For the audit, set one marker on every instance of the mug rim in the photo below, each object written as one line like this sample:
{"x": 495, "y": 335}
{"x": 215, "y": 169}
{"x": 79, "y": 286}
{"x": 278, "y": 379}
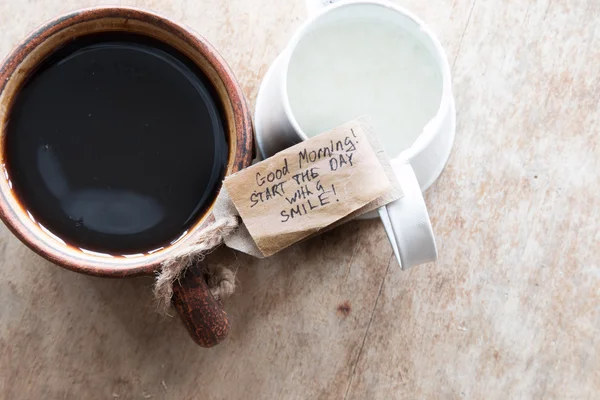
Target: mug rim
{"x": 239, "y": 136}
{"x": 432, "y": 128}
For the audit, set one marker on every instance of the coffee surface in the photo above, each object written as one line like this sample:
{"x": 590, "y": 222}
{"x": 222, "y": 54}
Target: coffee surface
{"x": 116, "y": 144}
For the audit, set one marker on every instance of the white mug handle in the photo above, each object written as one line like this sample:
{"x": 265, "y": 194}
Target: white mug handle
{"x": 407, "y": 222}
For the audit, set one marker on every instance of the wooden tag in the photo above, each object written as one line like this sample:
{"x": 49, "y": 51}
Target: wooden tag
{"x": 307, "y": 187}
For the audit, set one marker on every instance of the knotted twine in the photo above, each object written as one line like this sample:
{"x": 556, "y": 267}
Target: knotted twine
{"x": 221, "y": 281}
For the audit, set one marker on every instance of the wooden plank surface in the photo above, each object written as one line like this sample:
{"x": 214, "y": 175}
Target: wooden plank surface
{"x": 511, "y": 310}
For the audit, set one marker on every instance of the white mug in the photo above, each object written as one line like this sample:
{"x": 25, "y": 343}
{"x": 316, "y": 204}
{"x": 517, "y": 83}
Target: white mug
{"x": 417, "y": 166}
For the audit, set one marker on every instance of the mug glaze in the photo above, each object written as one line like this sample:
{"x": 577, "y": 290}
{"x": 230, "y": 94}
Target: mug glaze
{"x": 406, "y": 220}
{"x": 192, "y": 298}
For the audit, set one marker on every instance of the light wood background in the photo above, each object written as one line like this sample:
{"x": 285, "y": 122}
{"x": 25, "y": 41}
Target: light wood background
{"x": 511, "y": 310}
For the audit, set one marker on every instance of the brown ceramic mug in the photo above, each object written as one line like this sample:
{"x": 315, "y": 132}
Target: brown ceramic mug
{"x": 203, "y": 316}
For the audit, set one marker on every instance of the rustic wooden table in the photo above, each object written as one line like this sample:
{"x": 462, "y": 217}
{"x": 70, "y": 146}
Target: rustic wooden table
{"x": 510, "y": 310}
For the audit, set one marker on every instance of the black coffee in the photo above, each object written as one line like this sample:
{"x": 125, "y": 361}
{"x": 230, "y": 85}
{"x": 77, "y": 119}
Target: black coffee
{"x": 116, "y": 143}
